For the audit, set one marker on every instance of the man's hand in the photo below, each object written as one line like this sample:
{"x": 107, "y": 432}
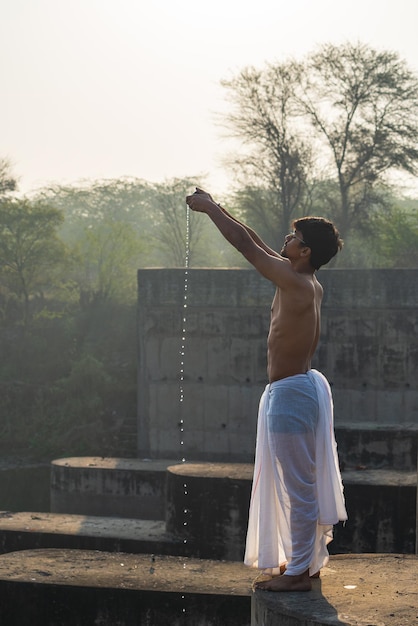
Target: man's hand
{"x": 203, "y": 192}
{"x": 200, "y": 201}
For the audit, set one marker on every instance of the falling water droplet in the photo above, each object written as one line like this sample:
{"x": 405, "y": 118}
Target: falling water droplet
{"x": 182, "y": 359}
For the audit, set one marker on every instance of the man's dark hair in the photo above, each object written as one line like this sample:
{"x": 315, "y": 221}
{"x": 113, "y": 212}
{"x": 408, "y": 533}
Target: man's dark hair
{"x": 321, "y": 236}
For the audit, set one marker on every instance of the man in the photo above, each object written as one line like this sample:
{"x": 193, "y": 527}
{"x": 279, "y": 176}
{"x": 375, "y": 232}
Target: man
{"x": 297, "y": 493}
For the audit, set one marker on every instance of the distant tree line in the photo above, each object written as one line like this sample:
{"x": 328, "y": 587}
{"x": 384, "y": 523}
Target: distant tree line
{"x": 320, "y": 136}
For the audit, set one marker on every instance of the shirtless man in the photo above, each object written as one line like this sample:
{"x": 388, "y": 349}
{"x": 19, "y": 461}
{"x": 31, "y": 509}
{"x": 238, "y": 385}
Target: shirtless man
{"x": 285, "y": 515}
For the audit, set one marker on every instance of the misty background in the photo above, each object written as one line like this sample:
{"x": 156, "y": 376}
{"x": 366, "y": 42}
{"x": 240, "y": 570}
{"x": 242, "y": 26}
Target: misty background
{"x": 113, "y": 111}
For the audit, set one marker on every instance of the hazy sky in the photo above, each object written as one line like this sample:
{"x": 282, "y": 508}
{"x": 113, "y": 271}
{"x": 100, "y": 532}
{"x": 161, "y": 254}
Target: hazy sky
{"x": 111, "y": 88}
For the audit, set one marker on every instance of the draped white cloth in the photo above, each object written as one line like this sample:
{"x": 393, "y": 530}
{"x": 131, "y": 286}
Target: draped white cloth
{"x": 297, "y": 492}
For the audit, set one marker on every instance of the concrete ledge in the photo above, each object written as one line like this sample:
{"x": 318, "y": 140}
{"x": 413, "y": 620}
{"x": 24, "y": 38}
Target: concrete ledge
{"x": 381, "y": 504}
{"x": 24, "y": 486}
{"x": 27, "y": 531}
{"x": 354, "y": 590}
{"x": 114, "y": 487}
{"x": 373, "y": 445}
{"x": 81, "y": 588}
{"x": 380, "y": 478}
{"x": 381, "y": 508}
{"x": 207, "y": 503}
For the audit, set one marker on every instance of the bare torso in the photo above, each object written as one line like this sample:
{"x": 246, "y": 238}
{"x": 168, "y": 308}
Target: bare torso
{"x": 294, "y": 329}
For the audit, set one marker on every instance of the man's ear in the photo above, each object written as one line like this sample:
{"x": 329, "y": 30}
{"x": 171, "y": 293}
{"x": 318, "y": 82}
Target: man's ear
{"x": 306, "y": 252}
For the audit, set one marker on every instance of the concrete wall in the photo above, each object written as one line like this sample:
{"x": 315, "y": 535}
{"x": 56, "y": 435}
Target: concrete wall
{"x": 368, "y": 351}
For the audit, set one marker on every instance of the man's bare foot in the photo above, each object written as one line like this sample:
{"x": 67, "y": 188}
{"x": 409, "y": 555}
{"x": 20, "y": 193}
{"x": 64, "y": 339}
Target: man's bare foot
{"x": 286, "y": 583}
{"x": 316, "y": 575}
{"x": 261, "y": 578}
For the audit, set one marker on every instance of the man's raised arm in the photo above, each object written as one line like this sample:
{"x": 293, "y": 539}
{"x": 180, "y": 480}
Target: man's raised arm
{"x": 274, "y": 267}
{"x": 250, "y": 231}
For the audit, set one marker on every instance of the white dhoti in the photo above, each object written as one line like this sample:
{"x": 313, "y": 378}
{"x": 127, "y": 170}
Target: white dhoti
{"x": 297, "y": 493}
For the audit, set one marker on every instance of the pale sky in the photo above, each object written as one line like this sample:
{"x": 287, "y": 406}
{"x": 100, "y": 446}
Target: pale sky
{"x": 110, "y": 88}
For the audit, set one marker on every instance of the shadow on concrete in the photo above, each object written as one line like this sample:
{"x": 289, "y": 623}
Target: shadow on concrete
{"x": 270, "y": 609}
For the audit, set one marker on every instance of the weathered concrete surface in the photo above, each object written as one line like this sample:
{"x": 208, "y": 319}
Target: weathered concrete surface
{"x": 380, "y": 478}
{"x": 377, "y": 446}
{"x": 82, "y": 588}
{"x": 24, "y": 485}
{"x": 27, "y": 531}
{"x": 354, "y": 590}
{"x": 381, "y": 507}
{"x": 207, "y": 503}
{"x": 133, "y": 488}
{"x": 211, "y": 515}
{"x": 368, "y": 350}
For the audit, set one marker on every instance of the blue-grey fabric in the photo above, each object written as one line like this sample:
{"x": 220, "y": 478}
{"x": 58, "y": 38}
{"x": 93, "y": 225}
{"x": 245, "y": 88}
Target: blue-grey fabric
{"x": 297, "y": 491}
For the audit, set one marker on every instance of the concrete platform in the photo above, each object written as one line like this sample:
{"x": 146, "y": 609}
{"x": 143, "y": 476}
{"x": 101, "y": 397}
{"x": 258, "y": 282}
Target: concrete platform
{"x": 24, "y": 485}
{"x": 377, "y": 445}
{"x": 27, "y": 531}
{"x": 354, "y": 590}
{"x": 380, "y": 478}
{"x": 381, "y": 503}
{"x": 82, "y": 588}
{"x": 381, "y": 507}
{"x": 108, "y": 486}
{"x": 212, "y": 509}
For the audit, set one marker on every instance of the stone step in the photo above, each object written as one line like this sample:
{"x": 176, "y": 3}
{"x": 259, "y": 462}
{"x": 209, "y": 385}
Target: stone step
{"x": 25, "y": 531}
{"x": 380, "y": 478}
{"x": 81, "y": 588}
{"x": 381, "y": 507}
{"x": 353, "y": 590}
{"x": 377, "y": 446}
{"x": 210, "y": 501}
{"x": 107, "y": 486}
{"x": 212, "y": 513}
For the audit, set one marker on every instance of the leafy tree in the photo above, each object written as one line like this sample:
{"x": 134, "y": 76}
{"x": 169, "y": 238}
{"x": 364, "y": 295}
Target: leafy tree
{"x": 264, "y": 117}
{"x": 155, "y": 212}
{"x": 396, "y": 233}
{"x": 364, "y": 105}
{"x": 354, "y": 108}
{"x": 253, "y": 205}
{"x": 86, "y": 205}
{"x": 106, "y": 260}
{"x": 29, "y": 247}
{"x": 7, "y": 181}
{"x": 169, "y": 223}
